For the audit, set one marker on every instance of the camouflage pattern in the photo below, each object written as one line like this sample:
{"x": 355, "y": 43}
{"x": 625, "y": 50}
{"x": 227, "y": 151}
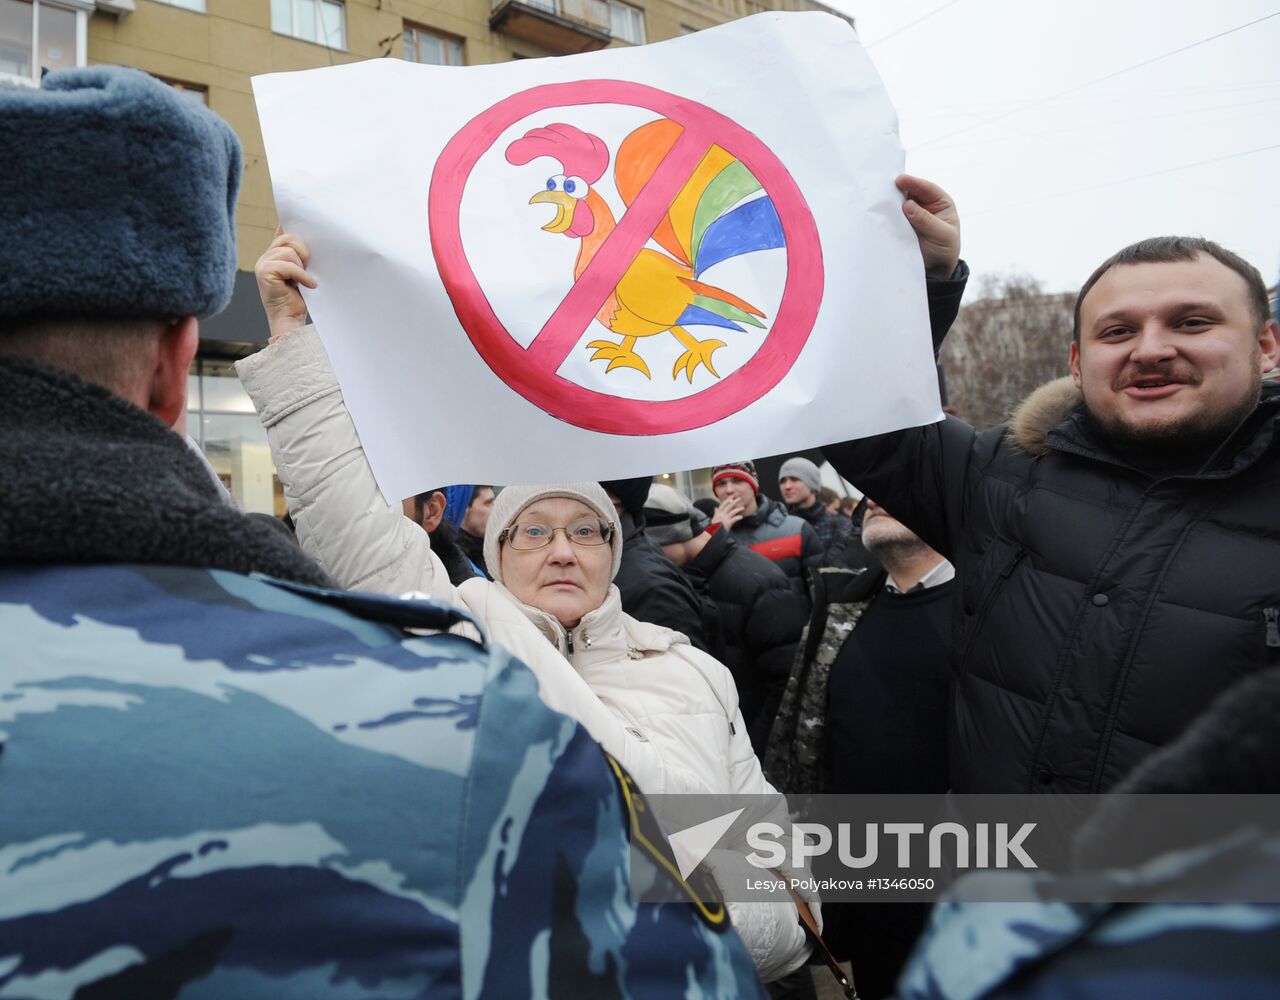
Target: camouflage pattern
{"x": 1050, "y": 950}
{"x": 221, "y": 786}
{"x": 793, "y": 760}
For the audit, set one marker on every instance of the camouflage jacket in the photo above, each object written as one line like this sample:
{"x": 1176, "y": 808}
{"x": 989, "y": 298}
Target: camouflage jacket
{"x": 794, "y": 760}
{"x": 214, "y": 785}
{"x": 1048, "y": 949}
{"x": 217, "y": 785}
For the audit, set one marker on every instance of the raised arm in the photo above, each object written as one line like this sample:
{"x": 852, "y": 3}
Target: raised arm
{"x": 919, "y": 473}
{"x": 341, "y": 517}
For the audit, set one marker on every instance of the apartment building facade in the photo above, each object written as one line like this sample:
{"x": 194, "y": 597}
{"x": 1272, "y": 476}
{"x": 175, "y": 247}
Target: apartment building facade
{"x": 211, "y": 48}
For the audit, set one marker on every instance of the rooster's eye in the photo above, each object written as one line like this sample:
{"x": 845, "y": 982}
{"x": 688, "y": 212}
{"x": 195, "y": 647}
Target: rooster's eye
{"x": 574, "y": 187}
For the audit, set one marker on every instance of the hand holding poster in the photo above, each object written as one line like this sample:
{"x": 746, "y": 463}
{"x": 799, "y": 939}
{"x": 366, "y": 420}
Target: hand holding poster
{"x": 611, "y": 264}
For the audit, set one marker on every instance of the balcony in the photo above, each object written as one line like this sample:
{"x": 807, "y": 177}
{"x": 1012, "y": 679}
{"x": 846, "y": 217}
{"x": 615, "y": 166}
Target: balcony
{"x": 747, "y": 7}
{"x": 561, "y": 26}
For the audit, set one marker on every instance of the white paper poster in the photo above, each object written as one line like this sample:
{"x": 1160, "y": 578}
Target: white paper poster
{"x": 607, "y": 265}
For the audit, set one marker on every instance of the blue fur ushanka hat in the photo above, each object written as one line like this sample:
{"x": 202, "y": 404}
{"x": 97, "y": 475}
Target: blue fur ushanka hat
{"x": 117, "y": 199}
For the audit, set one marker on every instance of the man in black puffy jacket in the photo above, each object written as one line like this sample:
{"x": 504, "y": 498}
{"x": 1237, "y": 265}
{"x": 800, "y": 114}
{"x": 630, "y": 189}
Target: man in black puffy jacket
{"x": 653, "y": 590}
{"x": 1116, "y": 545}
{"x": 759, "y": 614}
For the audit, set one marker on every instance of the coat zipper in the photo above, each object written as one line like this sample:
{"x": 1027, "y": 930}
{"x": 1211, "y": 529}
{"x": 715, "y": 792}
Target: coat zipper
{"x": 988, "y": 600}
{"x": 1272, "y": 615}
{"x": 1013, "y": 564}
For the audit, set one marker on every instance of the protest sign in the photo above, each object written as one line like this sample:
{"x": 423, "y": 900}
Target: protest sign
{"x": 611, "y": 264}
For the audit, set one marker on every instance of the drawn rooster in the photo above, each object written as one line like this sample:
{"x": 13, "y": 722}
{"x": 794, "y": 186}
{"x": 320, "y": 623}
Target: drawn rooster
{"x": 708, "y": 222}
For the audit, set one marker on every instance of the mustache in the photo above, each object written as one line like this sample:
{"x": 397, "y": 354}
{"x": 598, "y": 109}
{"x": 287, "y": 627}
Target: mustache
{"x": 1163, "y": 373}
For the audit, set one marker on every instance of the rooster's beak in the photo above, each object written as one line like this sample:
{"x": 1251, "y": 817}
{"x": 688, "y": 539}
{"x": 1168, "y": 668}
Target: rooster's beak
{"x": 565, "y": 207}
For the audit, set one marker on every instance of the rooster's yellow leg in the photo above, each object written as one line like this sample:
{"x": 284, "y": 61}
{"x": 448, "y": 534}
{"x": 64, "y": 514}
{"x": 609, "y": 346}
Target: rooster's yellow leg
{"x": 619, "y": 355}
{"x": 698, "y": 352}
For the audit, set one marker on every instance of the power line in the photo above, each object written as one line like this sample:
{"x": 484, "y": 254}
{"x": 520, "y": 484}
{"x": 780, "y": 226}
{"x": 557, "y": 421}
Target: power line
{"x": 1124, "y": 180}
{"x": 912, "y": 24}
{"x": 1055, "y": 139}
{"x": 1097, "y": 126}
{"x": 914, "y": 111}
{"x": 1090, "y": 83}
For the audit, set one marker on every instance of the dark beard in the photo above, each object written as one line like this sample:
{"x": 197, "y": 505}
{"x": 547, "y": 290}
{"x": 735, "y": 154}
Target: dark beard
{"x": 1187, "y": 445}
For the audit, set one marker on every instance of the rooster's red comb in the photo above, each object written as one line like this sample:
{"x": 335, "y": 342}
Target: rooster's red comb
{"x": 580, "y": 154}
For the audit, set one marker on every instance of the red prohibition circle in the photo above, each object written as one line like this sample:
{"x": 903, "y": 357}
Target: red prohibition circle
{"x": 519, "y": 367}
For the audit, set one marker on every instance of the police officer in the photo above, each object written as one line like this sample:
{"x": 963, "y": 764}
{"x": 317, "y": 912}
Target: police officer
{"x": 219, "y": 776}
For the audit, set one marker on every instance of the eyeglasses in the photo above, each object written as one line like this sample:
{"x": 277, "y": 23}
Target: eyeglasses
{"x": 585, "y": 531}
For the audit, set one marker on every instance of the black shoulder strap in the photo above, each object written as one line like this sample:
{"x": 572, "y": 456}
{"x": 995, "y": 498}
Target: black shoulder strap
{"x": 399, "y": 612}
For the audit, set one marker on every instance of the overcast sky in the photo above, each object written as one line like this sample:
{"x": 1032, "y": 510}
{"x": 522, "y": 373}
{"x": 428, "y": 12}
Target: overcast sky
{"x": 1004, "y": 103}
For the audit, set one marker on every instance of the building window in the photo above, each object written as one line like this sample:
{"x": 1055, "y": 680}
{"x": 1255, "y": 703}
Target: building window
{"x": 222, "y": 421}
{"x": 626, "y": 22}
{"x": 422, "y": 45}
{"x": 36, "y": 35}
{"x": 195, "y": 91}
{"x": 319, "y": 21}
{"x": 197, "y": 5}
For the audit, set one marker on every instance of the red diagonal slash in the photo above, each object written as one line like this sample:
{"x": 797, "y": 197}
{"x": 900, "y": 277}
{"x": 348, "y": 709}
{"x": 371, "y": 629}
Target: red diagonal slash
{"x": 566, "y": 325}
{"x": 541, "y": 384}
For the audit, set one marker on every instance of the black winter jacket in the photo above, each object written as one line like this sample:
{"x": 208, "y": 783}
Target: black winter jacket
{"x": 653, "y": 589}
{"x": 788, "y": 541}
{"x": 830, "y": 528}
{"x": 1098, "y": 609}
{"x": 760, "y": 619}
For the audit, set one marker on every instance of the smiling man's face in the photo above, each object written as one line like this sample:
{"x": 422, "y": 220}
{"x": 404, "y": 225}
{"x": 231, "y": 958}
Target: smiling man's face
{"x": 1171, "y": 355}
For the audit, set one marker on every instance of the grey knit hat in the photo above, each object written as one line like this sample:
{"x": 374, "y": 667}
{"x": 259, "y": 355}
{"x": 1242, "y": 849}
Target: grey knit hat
{"x": 670, "y": 517}
{"x": 118, "y": 199}
{"x": 803, "y": 470}
{"x": 513, "y": 499}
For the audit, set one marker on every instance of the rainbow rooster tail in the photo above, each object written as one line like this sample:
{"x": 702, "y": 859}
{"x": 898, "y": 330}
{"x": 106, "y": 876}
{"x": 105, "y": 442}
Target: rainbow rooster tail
{"x": 708, "y": 222}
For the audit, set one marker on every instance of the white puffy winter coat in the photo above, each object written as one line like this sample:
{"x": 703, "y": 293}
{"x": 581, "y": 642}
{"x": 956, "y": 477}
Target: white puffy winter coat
{"x": 667, "y": 711}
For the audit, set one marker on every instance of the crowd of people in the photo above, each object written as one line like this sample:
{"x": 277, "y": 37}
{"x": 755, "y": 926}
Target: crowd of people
{"x": 403, "y": 750}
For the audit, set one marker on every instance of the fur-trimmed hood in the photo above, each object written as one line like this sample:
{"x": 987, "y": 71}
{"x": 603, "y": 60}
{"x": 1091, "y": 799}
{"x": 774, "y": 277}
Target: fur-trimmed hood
{"x": 1046, "y": 407}
{"x": 1052, "y": 403}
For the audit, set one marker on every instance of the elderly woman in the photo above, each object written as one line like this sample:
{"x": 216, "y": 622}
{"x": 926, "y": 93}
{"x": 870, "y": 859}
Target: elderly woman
{"x": 667, "y": 711}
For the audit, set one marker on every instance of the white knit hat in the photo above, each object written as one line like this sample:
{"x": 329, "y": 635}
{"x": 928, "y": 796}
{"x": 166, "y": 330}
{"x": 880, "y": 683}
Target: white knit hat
{"x": 670, "y": 517}
{"x": 513, "y": 499}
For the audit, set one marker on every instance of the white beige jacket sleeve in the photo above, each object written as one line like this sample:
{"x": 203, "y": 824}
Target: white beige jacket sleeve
{"x": 772, "y": 932}
{"x": 344, "y": 523}
{"x": 341, "y": 519}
